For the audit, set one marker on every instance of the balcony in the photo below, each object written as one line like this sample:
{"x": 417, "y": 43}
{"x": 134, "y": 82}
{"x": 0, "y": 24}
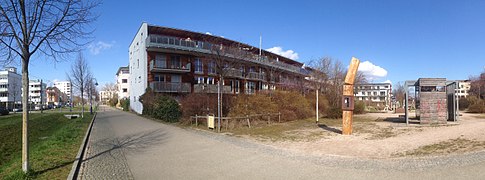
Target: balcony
{"x": 255, "y": 76}
{"x": 170, "y": 69}
{"x": 235, "y": 73}
{"x": 211, "y": 88}
{"x": 170, "y": 87}
{"x": 167, "y": 42}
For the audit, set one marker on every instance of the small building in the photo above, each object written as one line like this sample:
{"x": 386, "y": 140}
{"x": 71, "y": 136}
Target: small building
{"x": 55, "y": 96}
{"x": 37, "y": 94}
{"x": 436, "y": 100}
{"x": 65, "y": 87}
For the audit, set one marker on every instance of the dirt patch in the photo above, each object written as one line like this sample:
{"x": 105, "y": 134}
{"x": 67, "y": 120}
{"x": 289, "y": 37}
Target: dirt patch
{"x": 375, "y": 135}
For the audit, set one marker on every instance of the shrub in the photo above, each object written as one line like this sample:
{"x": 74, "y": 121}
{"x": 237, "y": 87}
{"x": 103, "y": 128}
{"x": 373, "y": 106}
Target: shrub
{"x": 166, "y": 109}
{"x": 334, "y": 112}
{"x": 359, "y": 107}
{"x": 125, "y": 104}
{"x": 477, "y": 107}
{"x": 252, "y": 105}
{"x": 463, "y": 103}
{"x": 160, "y": 107}
{"x": 323, "y": 103}
{"x": 292, "y": 105}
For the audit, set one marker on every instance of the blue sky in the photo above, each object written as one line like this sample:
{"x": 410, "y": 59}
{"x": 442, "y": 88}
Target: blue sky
{"x": 402, "y": 40}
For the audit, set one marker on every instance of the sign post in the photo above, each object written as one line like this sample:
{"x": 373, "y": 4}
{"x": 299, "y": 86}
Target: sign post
{"x": 348, "y": 97}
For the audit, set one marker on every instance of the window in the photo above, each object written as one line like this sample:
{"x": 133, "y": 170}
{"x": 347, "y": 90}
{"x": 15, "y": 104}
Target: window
{"x": 236, "y": 86}
{"x": 198, "y": 66}
{"x": 199, "y": 80}
{"x": 212, "y": 67}
{"x": 175, "y": 60}
{"x": 160, "y": 61}
{"x": 250, "y": 87}
{"x": 210, "y": 80}
{"x": 159, "y": 78}
{"x": 176, "y": 79}
{"x": 125, "y": 90}
{"x": 124, "y": 80}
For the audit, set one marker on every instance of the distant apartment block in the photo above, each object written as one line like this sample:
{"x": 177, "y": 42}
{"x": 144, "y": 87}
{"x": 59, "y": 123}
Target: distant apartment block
{"x": 55, "y": 96}
{"x": 37, "y": 93}
{"x": 178, "y": 62}
{"x": 376, "y": 94}
{"x": 122, "y": 84}
{"x": 105, "y": 96}
{"x": 463, "y": 88}
{"x": 10, "y": 88}
{"x": 65, "y": 87}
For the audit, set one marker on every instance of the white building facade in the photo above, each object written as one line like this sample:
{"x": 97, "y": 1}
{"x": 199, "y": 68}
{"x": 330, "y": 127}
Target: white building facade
{"x": 37, "y": 93}
{"x": 10, "y": 88}
{"x": 105, "y": 96}
{"x": 122, "y": 78}
{"x": 138, "y": 68}
{"x": 65, "y": 87}
{"x": 376, "y": 94}
{"x": 463, "y": 88}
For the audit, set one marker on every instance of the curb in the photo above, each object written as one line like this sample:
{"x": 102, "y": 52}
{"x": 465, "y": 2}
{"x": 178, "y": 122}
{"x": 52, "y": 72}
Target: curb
{"x": 77, "y": 163}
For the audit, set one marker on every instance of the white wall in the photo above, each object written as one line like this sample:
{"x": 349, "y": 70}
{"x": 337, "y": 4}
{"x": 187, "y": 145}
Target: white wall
{"x": 138, "y": 68}
{"x": 14, "y": 89}
{"x": 122, "y": 85}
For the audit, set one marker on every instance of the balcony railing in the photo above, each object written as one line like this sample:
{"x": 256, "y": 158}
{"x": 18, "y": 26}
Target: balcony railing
{"x": 255, "y": 76}
{"x": 175, "y": 69}
{"x": 210, "y": 88}
{"x": 170, "y": 87}
{"x": 158, "y": 41}
{"x": 234, "y": 73}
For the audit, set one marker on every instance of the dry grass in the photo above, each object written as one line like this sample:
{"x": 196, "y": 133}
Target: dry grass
{"x": 458, "y": 145}
{"x": 301, "y": 130}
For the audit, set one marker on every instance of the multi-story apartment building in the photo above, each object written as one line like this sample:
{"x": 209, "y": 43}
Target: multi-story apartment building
{"x": 55, "y": 96}
{"x": 105, "y": 96}
{"x": 37, "y": 93}
{"x": 10, "y": 88}
{"x": 375, "y": 94}
{"x": 178, "y": 62}
{"x": 65, "y": 87}
{"x": 122, "y": 84}
{"x": 463, "y": 88}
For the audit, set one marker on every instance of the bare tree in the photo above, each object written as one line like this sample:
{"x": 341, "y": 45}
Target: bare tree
{"x": 80, "y": 77}
{"x": 399, "y": 92}
{"x": 52, "y": 28}
{"x": 477, "y": 86}
{"x": 111, "y": 87}
{"x": 91, "y": 91}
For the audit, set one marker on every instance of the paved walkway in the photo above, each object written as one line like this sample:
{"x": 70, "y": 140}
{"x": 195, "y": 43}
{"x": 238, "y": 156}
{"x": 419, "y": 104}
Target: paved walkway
{"x": 127, "y": 146}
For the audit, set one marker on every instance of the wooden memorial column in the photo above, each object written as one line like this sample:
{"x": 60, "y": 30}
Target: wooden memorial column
{"x": 348, "y": 97}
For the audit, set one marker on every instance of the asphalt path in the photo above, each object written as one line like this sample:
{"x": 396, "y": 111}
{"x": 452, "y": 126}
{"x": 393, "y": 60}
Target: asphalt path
{"x": 127, "y": 146}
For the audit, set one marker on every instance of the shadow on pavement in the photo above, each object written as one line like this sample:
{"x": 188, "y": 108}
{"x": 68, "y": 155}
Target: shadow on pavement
{"x": 131, "y": 143}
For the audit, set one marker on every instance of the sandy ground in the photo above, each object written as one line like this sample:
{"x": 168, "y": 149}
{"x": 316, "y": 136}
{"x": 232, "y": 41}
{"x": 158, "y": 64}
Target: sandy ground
{"x": 396, "y": 138}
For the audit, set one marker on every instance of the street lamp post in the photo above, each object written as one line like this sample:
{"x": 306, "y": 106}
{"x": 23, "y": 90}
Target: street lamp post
{"x": 91, "y": 95}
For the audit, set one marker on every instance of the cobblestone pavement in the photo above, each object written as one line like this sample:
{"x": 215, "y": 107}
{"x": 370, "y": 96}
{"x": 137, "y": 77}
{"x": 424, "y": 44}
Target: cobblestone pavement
{"x": 127, "y": 146}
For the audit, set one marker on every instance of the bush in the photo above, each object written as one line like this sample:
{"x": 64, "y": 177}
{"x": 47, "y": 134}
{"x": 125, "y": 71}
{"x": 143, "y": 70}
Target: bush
{"x": 160, "y": 107}
{"x": 166, "y": 109}
{"x": 359, "y": 107}
{"x": 292, "y": 105}
{"x": 477, "y": 107}
{"x": 463, "y": 103}
{"x": 334, "y": 112}
{"x": 125, "y": 104}
{"x": 3, "y": 111}
{"x": 252, "y": 105}
{"x": 323, "y": 103}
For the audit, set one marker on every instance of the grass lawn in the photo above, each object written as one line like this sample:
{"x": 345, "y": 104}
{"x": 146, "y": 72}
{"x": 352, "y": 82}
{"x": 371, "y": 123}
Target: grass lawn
{"x": 75, "y": 108}
{"x": 445, "y": 147}
{"x": 54, "y": 142}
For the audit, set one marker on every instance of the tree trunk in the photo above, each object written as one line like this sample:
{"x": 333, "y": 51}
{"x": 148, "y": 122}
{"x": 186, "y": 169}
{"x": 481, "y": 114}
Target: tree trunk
{"x": 25, "y": 114}
{"x": 82, "y": 101}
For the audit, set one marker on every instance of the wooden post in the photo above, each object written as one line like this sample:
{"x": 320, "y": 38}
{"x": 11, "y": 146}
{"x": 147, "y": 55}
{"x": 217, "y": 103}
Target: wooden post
{"x": 196, "y": 120}
{"x": 279, "y": 117}
{"x": 269, "y": 120}
{"x": 249, "y": 124}
{"x": 348, "y": 90}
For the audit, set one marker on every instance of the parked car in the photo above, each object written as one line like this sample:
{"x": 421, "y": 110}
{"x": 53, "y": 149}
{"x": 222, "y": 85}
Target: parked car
{"x": 3, "y": 111}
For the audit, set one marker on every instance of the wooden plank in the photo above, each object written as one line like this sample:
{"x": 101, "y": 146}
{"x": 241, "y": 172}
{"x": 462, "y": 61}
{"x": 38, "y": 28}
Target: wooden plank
{"x": 347, "y": 122}
{"x": 348, "y": 90}
{"x": 352, "y": 72}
